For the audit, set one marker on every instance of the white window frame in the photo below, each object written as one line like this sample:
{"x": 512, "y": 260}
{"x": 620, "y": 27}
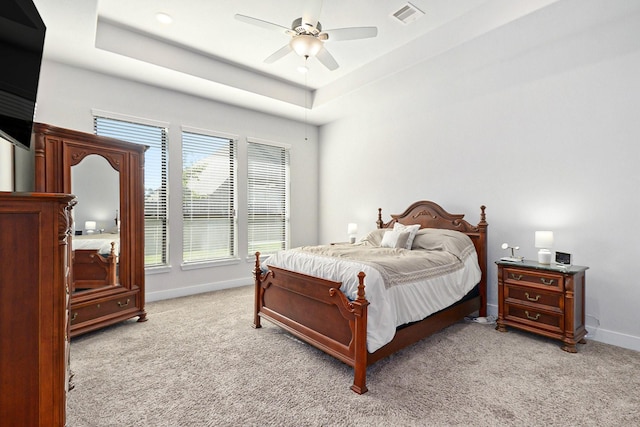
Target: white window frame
{"x": 252, "y": 247}
{"x": 190, "y": 261}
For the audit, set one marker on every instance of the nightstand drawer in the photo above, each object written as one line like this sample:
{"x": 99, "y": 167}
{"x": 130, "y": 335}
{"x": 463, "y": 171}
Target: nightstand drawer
{"x": 540, "y": 319}
{"x": 529, "y": 277}
{"x": 534, "y": 297}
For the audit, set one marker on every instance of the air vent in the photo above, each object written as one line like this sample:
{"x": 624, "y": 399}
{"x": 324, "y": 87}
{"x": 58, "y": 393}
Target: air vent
{"x": 408, "y": 13}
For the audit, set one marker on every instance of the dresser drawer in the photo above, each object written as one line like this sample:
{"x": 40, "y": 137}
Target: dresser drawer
{"x": 534, "y": 297}
{"x": 104, "y": 307}
{"x": 540, "y": 319}
{"x": 533, "y": 277}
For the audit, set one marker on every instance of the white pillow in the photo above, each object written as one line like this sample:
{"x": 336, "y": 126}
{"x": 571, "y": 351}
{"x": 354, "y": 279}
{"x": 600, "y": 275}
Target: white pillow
{"x": 394, "y": 239}
{"x": 412, "y": 229}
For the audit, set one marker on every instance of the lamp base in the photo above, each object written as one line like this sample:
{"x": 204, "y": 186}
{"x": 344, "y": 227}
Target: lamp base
{"x": 544, "y": 256}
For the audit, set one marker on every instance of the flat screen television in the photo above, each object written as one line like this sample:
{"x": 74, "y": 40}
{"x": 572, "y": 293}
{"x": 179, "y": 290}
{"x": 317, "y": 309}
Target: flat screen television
{"x": 21, "y": 44}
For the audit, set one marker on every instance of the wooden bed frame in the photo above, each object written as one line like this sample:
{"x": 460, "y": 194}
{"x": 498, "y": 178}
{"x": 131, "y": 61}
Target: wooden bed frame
{"x": 316, "y": 311}
{"x": 92, "y": 270}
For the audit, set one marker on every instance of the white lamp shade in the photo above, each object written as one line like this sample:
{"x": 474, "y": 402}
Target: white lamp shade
{"x": 305, "y": 45}
{"x": 544, "y": 239}
{"x": 89, "y": 225}
{"x": 352, "y": 230}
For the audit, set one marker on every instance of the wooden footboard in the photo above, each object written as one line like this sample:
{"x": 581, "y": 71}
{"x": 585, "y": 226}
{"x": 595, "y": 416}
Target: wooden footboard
{"x": 316, "y": 311}
{"x": 92, "y": 270}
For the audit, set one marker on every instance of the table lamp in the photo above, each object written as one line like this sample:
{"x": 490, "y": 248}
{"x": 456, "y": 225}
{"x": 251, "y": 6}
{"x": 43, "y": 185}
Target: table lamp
{"x": 544, "y": 241}
{"x": 352, "y": 230}
{"x": 90, "y": 227}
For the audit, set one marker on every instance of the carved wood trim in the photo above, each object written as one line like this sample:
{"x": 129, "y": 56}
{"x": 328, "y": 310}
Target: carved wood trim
{"x": 64, "y": 221}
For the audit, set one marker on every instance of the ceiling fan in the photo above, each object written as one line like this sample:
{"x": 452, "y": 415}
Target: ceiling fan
{"x": 307, "y": 36}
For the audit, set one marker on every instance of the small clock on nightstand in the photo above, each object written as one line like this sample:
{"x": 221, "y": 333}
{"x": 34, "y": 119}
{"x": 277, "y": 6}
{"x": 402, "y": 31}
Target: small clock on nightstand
{"x": 544, "y": 299}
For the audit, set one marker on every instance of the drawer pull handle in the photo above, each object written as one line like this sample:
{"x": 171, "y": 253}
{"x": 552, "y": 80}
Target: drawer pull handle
{"x": 531, "y": 299}
{"x": 516, "y": 276}
{"x": 123, "y": 305}
{"x": 537, "y": 316}
{"x": 74, "y": 316}
{"x": 546, "y": 282}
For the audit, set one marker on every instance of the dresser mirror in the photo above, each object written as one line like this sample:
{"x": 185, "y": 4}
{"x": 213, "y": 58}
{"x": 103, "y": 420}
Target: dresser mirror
{"x": 96, "y": 232}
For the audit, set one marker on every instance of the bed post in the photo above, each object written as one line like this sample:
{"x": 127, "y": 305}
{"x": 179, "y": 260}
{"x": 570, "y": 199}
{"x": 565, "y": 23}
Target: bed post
{"x": 113, "y": 265}
{"x": 482, "y": 257}
{"x": 257, "y": 293}
{"x": 360, "y": 339}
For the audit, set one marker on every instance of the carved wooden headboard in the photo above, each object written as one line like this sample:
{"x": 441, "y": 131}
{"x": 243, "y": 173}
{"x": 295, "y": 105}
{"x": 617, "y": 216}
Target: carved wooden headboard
{"x": 431, "y": 215}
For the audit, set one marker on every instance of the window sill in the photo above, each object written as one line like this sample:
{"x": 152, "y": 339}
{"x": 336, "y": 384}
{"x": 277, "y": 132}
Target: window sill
{"x": 209, "y": 264}
{"x": 157, "y": 270}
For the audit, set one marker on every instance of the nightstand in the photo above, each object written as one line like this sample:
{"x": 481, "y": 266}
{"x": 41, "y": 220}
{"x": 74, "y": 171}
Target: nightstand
{"x": 544, "y": 299}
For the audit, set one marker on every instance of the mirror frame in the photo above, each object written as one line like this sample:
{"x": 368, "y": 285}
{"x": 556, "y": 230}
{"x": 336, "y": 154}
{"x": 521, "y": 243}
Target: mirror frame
{"x": 73, "y": 154}
{"x": 57, "y": 150}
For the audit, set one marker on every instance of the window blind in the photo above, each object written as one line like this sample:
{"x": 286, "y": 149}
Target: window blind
{"x": 208, "y": 198}
{"x": 155, "y": 181}
{"x": 268, "y": 198}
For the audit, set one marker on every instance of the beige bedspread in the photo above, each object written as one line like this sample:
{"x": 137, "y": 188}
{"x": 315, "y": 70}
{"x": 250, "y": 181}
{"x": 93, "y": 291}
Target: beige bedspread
{"x": 436, "y": 253}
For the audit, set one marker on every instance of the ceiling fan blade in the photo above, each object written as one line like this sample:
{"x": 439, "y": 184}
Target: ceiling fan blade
{"x": 352, "y": 33}
{"x": 326, "y": 59}
{"x": 280, "y": 53}
{"x": 264, "y": 24}
{"x": 311, "y": 13}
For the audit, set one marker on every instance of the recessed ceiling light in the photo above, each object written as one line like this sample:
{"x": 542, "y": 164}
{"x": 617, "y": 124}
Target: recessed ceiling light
{"x": 164, "y": 18}
{"x": 302, "y": 69}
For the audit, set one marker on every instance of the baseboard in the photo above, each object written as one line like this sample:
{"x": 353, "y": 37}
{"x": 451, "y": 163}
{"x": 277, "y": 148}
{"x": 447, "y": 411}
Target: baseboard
{"x": 614, "y": 338}
{"x": 194, "y": 290}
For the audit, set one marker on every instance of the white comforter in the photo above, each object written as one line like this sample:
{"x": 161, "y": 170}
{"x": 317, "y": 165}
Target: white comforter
{"x": 394, "y": 305}
{"x": 101, "y": 242}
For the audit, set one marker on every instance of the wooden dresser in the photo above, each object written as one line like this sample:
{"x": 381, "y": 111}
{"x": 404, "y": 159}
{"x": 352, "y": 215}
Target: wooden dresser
{"x": 34, "y": 296}
{"x": 543, "y": 299}
{"x": 60, "y": 155}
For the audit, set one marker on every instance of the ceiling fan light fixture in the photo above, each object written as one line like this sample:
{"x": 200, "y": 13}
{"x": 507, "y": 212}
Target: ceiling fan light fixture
{"x": 305, "y": 45}
{"x": 164, "y": 18}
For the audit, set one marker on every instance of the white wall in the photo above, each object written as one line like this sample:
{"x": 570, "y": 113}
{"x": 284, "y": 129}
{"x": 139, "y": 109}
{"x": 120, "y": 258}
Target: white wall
{"x": 66, "y": 97}
{"x": 6, "y": 165}
{"x": 537, "y": 120}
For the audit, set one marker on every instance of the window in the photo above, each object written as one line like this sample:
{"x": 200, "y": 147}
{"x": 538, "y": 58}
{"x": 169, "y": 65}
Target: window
{"x": 155, "y": 181}
{"x": 268, "y": 198}
{"x": 208, "y": 198}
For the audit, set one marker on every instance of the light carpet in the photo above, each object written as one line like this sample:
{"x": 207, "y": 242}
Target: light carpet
{"x": 198, "y": 362}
